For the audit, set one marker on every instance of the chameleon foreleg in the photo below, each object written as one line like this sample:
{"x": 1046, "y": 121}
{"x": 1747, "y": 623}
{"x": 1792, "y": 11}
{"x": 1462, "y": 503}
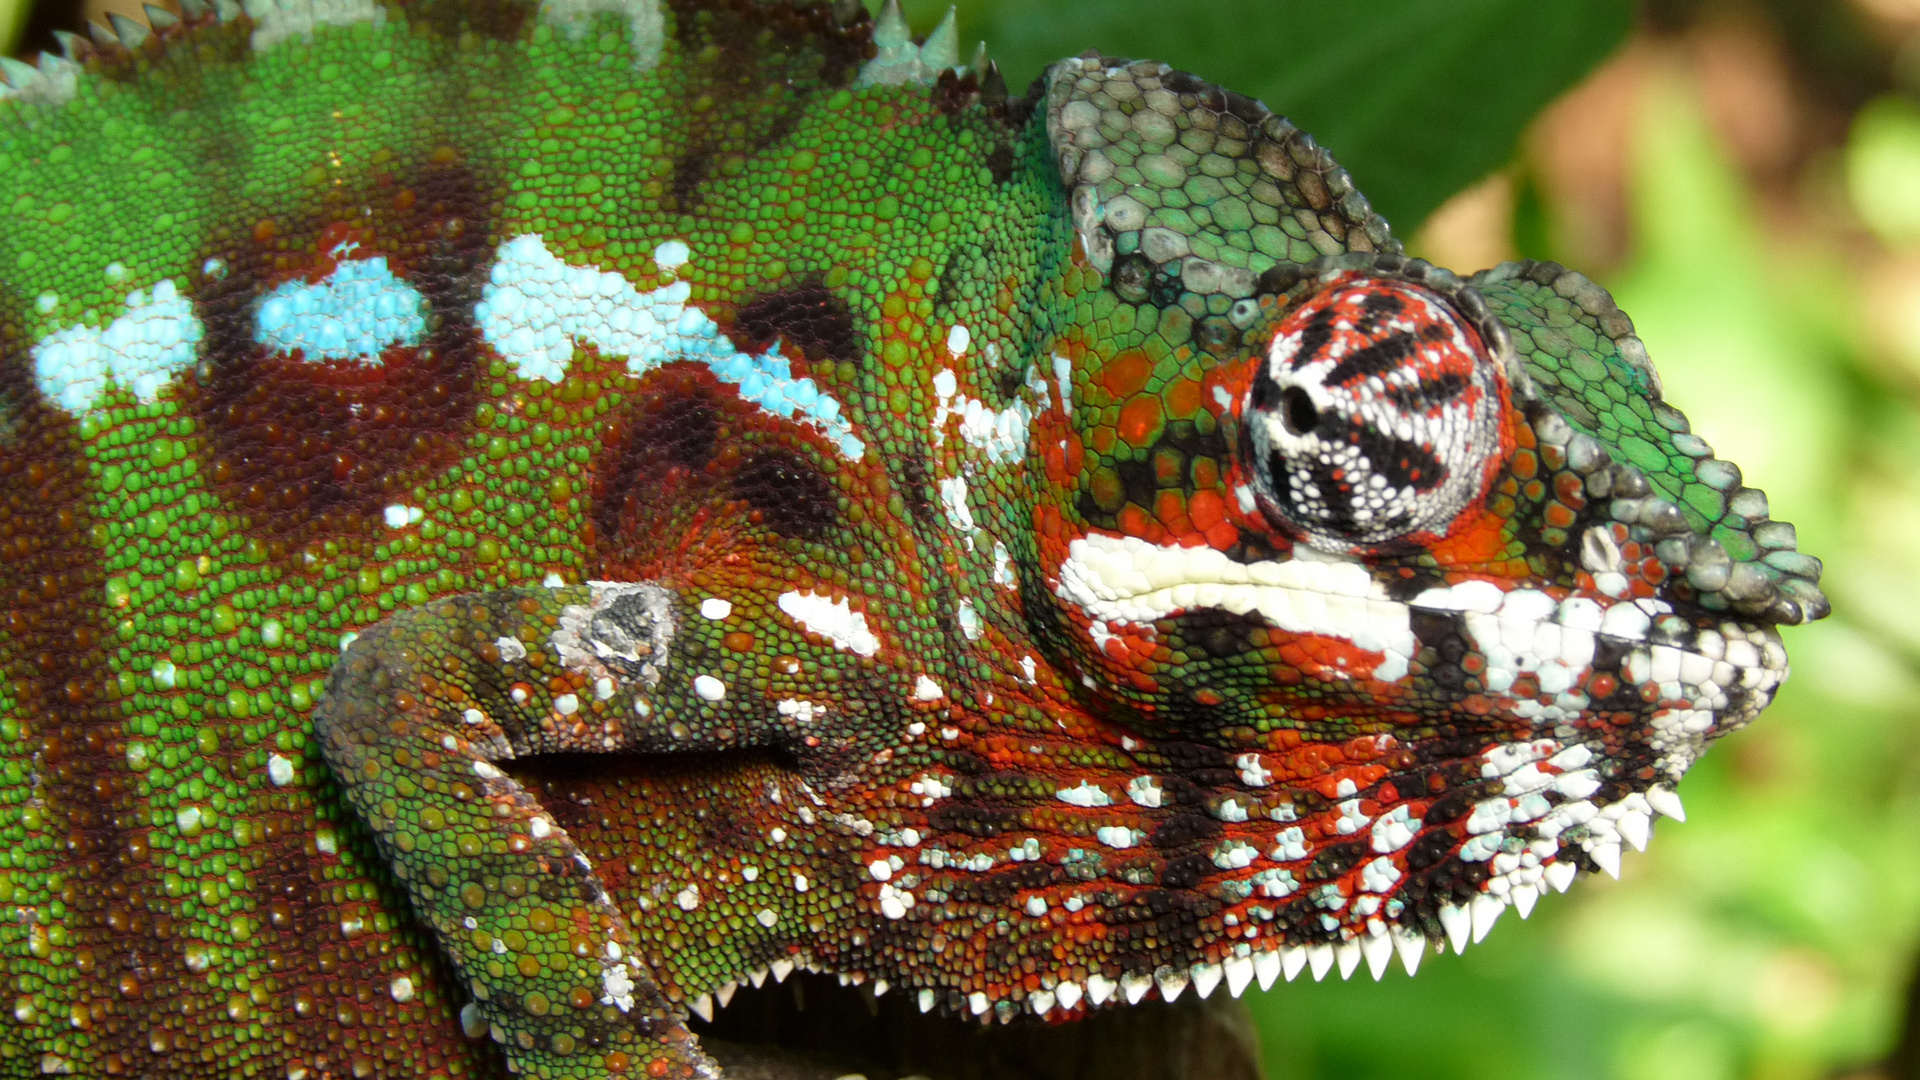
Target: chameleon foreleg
{"x": 416, "y": 715}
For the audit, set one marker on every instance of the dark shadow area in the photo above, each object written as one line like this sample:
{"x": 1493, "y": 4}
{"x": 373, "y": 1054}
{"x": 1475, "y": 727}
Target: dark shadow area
{"x": 812, "y": 1028}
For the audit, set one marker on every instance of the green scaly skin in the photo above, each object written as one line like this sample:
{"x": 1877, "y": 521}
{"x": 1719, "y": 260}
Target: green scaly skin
{"x": 466, "y": 702}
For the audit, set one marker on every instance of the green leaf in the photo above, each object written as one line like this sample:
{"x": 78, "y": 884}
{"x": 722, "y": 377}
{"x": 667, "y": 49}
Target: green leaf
{"x": 1417, "y": 98}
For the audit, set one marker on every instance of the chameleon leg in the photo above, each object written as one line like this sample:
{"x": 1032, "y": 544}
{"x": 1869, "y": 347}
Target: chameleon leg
{"x": 415, "y": 716}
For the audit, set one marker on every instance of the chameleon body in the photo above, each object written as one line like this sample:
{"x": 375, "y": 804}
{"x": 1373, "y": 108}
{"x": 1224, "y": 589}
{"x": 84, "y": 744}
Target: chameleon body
{"x": 518, "y": 518}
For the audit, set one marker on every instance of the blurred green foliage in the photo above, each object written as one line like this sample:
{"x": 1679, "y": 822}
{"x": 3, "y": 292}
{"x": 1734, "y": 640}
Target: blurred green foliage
{"x": 1417, "y": 98}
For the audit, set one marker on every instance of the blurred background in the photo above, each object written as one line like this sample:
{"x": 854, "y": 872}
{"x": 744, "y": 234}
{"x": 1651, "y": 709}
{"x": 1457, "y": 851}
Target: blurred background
{"x": 1745, "y": 176}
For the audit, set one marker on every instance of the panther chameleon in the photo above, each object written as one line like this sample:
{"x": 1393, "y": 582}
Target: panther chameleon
{"x": 519, "y": 517}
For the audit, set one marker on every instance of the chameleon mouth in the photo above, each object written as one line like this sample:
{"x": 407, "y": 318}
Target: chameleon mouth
{"x": 817, "y": 1027}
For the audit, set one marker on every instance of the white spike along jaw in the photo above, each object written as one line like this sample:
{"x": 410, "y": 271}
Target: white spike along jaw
{"x": 1239, "y": 972}
{"x": 1378, "y": 949}
{"x": 1292, "y": 960}
{"x": 1560, "y": 875}
{"x": 1486, "y": 910}
{"x": 1171, "y": 982}
{"x": 724, "y": 995}
{"x": 1266, "y": 968}
{"x": 1320, "y": 958}
{"x": 1205, "y": 978}
{"x": 1411, "y": 947}
{"x": 1348, "y": 953}
{"x": 1607, "y": 854}
{"x": 780, "y": 969}
{"x": 1134, "y": 985}
{"x": 1636, "y": 827}
{"x": 1100, "y": 988}
{"x": 702, "y": 1007}
{"x": 1666, "y": 802}
{"x": 926, "y": 999}
{"x": 1458, "y": 925}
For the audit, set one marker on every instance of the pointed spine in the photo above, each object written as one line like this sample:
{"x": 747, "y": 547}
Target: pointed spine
{"x": 18, "y": 73}
{"x": 72, "y": 45}
{"x": 159, "y": 18}
{"x": 941, "y": 51}
{"x": 891, "y": 28}
{"x": 130, "y": 32}
{"x": 993, "y": 86}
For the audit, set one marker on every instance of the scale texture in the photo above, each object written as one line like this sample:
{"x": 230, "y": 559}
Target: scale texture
{"x": 516, "y": 519}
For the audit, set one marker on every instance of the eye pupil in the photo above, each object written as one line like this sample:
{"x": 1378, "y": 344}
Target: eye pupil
{"x": 1297, "y": 411}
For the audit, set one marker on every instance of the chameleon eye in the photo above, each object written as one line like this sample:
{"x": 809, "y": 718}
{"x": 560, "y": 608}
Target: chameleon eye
{"x": 1374, "y": 416}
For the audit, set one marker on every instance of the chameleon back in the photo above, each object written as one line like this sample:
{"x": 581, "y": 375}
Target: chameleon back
{"x": 751, "y": 465}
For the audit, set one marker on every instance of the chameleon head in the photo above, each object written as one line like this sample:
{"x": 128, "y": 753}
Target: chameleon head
{"x": 1409, "y": 627}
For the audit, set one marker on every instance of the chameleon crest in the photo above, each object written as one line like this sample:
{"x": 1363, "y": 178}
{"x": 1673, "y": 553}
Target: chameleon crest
{"x": 518, "y": 518}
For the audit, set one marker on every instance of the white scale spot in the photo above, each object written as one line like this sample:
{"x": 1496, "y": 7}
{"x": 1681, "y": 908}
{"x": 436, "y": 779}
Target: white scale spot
{"x": 767, "y": 918}
{"x": 566, "y": 704}
{"x": 1000, "y": 434}
{"x": 672, "y": 255}
{"x": 832, "y": 619}
{"x": 803, "y": 711}
{"x": 279, "y": 770}
{"x": 709, "y": 688}
{"x": 953, "y": 498}
{"x": 139, "y": 352}
{"x": 688, "y": 898}
{"x": 925, "y": 689}
{"x": 715, "y": 608}
{"x": 402, "y": 989}
{"x": 970, "y": 623}
{"x": 400, "y": 515}
{"x": 536, "y": 308}
{"x": 619, "y": 987}
{"x": 354, "y": 313}
{"x": 510, "y": 649}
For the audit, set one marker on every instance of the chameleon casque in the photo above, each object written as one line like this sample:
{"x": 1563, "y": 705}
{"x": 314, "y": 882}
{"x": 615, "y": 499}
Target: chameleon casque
{"x": 518, "y": 518}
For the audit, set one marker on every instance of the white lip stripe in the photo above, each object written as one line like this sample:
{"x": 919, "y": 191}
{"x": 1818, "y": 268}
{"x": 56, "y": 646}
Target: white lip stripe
{"x": 1124, "y": 578}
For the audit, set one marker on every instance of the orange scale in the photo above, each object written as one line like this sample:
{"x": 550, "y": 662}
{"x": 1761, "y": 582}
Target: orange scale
{"x": 1183, "y": 398}
{"x": 1140, "y": 421}
{"x": 1560, "y": 515}
{"x": 1171, "y": 507}
{"x": 1206, "y": 508}
{"x": 1135, "y": 522}
{"x": 1569, "y": 488}
{"x": 1222, "y": 535}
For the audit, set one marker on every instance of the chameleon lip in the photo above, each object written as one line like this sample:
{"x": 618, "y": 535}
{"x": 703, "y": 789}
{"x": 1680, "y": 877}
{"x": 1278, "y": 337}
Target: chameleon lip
{"x": 1126, "y": 579}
